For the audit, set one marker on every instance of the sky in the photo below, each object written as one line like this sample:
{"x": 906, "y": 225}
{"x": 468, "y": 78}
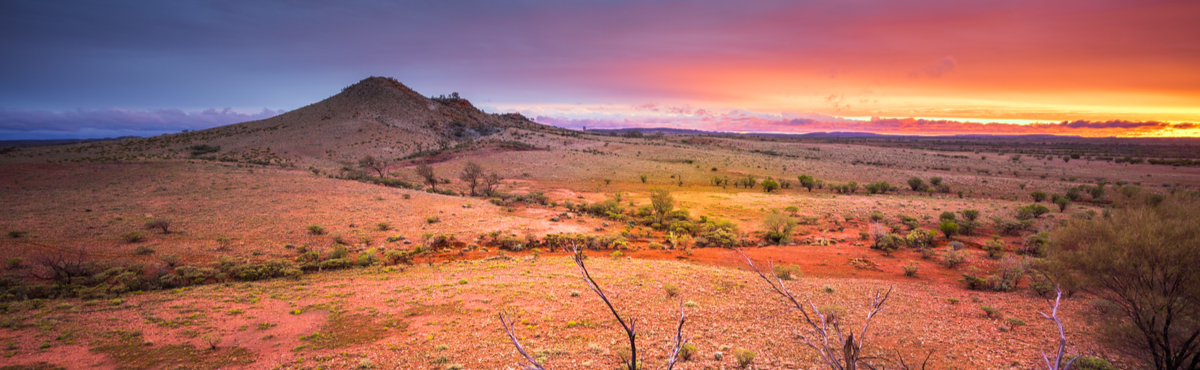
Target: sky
{"x": 78, "y": 69}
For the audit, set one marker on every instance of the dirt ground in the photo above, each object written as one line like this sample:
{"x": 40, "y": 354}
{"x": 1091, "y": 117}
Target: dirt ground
{"x": 442, "y": 311}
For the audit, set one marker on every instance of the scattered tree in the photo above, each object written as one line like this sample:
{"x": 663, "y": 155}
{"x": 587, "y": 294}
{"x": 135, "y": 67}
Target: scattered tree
{"x": 1038, "y": 196}
{"x": 769, "y": 185}
{"x": 490, "y": 183}
{"x": 1062, "y": 202}
{"x": 472, "y": 174}
{"x": 374, "y": 164}
{"x": 1143, "y": 258}
{"x": 425, "y": 171}
{"x": 778, "y": 228}
{"x": 808, "y": 182}
{"x": 662, "y": 202}
{"x": 916, "y": 184}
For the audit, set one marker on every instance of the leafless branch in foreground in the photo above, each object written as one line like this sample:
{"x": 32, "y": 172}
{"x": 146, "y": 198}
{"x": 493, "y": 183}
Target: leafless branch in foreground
{"x": 850, "y": 349}
{"x": 508, "y": 328}
{"x": 679, "y": 341}
{"x": 1062, "y": 336}
{"x": 628, "y": 324}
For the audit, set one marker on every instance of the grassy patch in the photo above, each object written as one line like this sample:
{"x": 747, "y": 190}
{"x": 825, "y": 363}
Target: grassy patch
{"x": 419, "y": 309}
{"x": 130, "y": 351}
{"x": 344, "y": 330}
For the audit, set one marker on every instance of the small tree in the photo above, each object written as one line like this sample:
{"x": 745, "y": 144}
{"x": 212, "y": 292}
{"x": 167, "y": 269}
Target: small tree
{"x": 662, "y": 202}
{"x": 374, "y": 164}
{"x": 808, "y": 182}
{"x": 970, "y": 214}
{"x": 643, "y": 177}
{"x": 425, "y": 171}
{"x": 1062, "y": 202}
{"x": 769, "y": 185}
{"x": 472, "y": 174}
{"x": 1143, "y": 258}
{"x": 1038, "y": 196}
{"x": 916, "y": 184}
{"x": 778, "y": 228}
{"x": 949, "y": 228}
{"x": 490, "y": 183}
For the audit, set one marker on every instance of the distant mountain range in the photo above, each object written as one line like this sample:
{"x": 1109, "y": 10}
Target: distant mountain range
{"x": 835, "y": 134}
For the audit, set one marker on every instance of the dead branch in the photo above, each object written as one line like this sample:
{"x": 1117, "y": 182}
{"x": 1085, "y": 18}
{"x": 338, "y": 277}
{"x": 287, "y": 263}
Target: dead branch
{"x": 842, "y": 353}
{"x": 627, "y": 324}
{"x": 508, "y": 328}
{"x": 1062, "y": 336}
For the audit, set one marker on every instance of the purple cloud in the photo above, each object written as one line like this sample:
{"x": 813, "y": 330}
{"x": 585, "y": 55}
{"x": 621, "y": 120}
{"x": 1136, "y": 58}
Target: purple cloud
{"x": 152, "y": 121}
{"x": 937, "y": 69}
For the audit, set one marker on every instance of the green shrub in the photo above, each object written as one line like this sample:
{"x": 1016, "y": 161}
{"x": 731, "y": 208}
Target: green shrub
{"x": 994, "y": 248}
{"x": 970, "y": 214}
{"x": 316, "y": 230}
{"x": 1088, "y": 363}
{"x": 432, "y": 220}
{"x": 911, "y": 269}
{"x": 17, "y": 234}
{"x": 744, "y": 357}
{"x": 133, "y": 237}
{"x": 947, "y": 216}
{"x": 1015, "y": 322}
{"x": 956, "y": 245}
{"x": 687, "y": 351}
{"x": 383, "y": 226}
{"x": 1036, "y": 245}
{"x": 786, "y": 272}
{"x": 778, "y": 228}
{"x": 13, "y": 263}
{"x": 920, "y": 238}
{"x": 833, "y": 312}
{"x": 671, "y": 289}
{"x": 953, "y": 258}
{"x": 143, "y": 250}
{"x": 949, "y": 228}
{"x": 164, "y": 225}
{"x": 991, "y": 312}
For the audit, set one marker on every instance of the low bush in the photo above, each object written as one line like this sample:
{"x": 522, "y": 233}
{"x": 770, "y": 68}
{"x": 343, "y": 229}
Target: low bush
{"x": 953, "y": 258}
{"x": 994, "y": 248}
{"x": 744, "y": 357}
{"x": 143, "y": 250}
{"x": 671, "y": 289}
{"x": 316, "y": 229}
{"x": 164, "y": 225}
{"x": 911, "y": 269}
{"x": 133, "y": 237}
{"x": 687, "y": 351}
{"x": 786, "y": 272}
{"x": 1089, "y": 363}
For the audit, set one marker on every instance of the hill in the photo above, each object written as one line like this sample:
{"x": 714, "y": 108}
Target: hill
{"x": 377, "y": 116}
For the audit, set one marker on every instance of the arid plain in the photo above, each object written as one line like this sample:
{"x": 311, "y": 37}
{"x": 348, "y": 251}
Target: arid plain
{"x": 309, "y": 240}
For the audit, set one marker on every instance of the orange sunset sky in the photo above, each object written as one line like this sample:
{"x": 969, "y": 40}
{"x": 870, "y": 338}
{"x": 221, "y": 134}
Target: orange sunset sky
{"x": 1088, "y": 68}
